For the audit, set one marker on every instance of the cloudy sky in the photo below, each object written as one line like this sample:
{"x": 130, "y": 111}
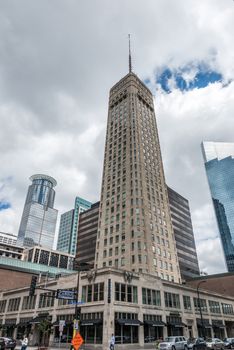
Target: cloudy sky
{"x": 58, "y": 60}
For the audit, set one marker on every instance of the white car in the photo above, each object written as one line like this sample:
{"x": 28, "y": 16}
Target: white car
{"x": 215, "y": 344}
{"x": 174, "y": 343}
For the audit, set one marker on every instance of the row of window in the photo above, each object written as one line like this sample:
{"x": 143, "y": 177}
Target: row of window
{"x": 125, "y": 293}
{"x": 214, "y": 306}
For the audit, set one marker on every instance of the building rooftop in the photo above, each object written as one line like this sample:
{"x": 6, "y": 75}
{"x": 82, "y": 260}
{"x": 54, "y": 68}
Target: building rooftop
{"x": 43, "y": 177}
{"x": 217, "y": 150}
{"x": 25, "y": 266}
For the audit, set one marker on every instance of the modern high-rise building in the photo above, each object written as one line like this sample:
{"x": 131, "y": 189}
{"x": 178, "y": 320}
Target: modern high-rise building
{"x": 39, "y": 217}
{"x": 65, "y": 229}
{"x": 135, "y": 230}
{"x": 87, "y": 236}
{"x": 184, "y": 237}
{"x": 219, "y": 164}
{"x": 67, "y": 237}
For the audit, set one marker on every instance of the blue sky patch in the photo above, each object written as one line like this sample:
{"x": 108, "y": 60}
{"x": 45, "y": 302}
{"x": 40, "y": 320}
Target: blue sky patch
{"x": 187, "y": 78}
{"x": 4, "y": 205}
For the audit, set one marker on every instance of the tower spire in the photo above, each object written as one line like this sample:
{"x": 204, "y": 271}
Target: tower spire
{"x": 129, "y": 56}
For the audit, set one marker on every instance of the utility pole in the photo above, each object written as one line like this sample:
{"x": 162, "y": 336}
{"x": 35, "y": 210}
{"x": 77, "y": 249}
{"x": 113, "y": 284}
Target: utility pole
{"x": 199, "y": 305}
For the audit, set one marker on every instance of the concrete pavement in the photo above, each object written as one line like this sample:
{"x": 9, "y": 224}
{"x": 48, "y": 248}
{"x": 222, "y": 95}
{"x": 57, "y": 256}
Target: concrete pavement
{"x": 84, "y": 347}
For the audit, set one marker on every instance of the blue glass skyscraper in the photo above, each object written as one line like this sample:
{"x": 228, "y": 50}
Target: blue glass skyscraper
{"x": 219, "y": 164}
{"x": 67, "y": 237}
{"x": 39, "y": 217}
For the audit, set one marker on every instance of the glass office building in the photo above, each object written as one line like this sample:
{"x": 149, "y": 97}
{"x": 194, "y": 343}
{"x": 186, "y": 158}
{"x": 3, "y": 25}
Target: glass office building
{"x": 68, "y": 228}
{"x": 219, "y": 164}
{"x": 39, "y": 217}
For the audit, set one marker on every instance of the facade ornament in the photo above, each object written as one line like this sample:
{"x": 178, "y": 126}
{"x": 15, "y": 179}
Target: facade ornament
{"x": 128, "y": 276}
{"x": 91, "y": 275}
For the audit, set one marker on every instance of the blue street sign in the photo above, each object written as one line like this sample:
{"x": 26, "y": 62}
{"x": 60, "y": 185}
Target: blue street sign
{"x": 73, "y": 302}
{"x": 65, "y": 294}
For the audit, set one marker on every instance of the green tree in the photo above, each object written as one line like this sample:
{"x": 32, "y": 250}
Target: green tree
{"x": 44, "y": 328}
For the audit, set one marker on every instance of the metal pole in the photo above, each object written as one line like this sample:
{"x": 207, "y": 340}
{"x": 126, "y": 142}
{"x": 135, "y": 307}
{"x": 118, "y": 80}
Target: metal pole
{"x": 80, "y": 267}
{"x": 77, "y": 294}
{"x": 76, "y": 306}
{"x": 199, "y": 305}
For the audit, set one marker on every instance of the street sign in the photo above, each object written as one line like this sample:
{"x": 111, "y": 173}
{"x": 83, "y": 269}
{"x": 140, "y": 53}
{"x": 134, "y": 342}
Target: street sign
{"x": 77, "y": 341}
{"x": 61, "y": 325}
{"x": 73, "y": 302}
{"x": 65, "y": 294}
{"x": 76, "y": 324}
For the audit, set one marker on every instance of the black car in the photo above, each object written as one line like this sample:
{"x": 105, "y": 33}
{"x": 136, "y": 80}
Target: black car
{"x": 122, "y": 340}
{"x": 2, "y": 344}
{"x": 229, "y": 343}
{"x": 196, "y": 344}
{"x": 10, "y": 343}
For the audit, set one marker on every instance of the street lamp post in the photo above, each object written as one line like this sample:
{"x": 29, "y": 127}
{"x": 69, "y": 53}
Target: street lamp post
{"x": 199, "y": 305}
{"x": 80, "y": 267}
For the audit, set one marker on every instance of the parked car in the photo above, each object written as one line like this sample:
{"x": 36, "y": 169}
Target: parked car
{"x": 10, "y": 343}
{"x": 215, "y": 344}
{"x": 174, "y": 343}
{"x": 149, "y": 339}
{"x": 122, "y": 340}
{"x": 229, "y": 343}
{"x": 196, "y": 344}
{"x": 2, "y": 344}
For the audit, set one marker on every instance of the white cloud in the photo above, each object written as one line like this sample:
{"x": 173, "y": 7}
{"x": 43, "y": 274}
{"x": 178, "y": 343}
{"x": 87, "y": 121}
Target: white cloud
{"x": 58, "y": 61}
{"x": 210, "y": 256}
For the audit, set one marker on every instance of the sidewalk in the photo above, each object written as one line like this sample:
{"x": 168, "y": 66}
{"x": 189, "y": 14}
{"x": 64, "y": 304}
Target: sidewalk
{"x": 81, "y": 348}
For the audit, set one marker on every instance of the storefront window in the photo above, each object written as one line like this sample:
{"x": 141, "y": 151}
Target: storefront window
{"x": 67, "y": 329}
{"x": 153, "y": 328}
{"x": 92, "y": 327}
{"x": 126, "y": 328}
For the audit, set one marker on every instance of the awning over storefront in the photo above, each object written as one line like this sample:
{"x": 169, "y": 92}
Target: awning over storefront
{"x": 218, "y": 324}
{"x": 155, "y": 323}
{"x": 205, "y": 324}
{"x": 91, "y": 322}
{"x": 11, "y": 322}
{"x": 129, "y": 322}
{"x": 23, "y": 322}
{"x": 67, "y": 323}
{"x": 177, "y": 324}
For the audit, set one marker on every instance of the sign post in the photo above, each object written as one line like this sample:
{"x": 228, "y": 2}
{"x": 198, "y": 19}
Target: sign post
{"x": 61, "y": 326}
{"x": 77, "y": 341}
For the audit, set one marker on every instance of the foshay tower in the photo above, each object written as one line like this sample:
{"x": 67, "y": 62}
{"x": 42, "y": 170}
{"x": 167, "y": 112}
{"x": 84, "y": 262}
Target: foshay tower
{"x": 135, "y": 230}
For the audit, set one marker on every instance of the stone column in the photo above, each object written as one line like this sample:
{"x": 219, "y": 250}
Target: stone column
{"x": 225, "y": 332}
{"x": 141, "y": 335}
{"x": 108, "y": 317}
{"x": 15, "y": 332}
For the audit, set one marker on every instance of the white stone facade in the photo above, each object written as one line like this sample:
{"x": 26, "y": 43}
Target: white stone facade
{"x": 115, "y": 302}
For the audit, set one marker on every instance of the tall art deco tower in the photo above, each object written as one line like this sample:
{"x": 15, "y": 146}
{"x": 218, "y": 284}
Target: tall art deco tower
{"x": 135, "y": 230}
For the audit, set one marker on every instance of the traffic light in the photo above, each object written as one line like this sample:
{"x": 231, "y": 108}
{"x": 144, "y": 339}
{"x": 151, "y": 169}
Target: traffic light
{"x": 33, "y": 286}
{"x": 78, "y": 313}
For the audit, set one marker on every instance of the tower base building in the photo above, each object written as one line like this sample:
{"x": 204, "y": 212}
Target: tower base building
{"x": 139, "y": 309}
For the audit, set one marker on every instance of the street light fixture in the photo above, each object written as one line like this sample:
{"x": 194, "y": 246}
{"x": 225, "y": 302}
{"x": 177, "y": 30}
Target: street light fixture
{"x": 199, "y": 305}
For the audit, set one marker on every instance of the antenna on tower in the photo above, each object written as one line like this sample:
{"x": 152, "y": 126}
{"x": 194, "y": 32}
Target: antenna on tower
{"x": 129, "y": 57}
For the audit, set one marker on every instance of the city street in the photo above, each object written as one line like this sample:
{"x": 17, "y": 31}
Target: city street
{"x": 81, "y": 348}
